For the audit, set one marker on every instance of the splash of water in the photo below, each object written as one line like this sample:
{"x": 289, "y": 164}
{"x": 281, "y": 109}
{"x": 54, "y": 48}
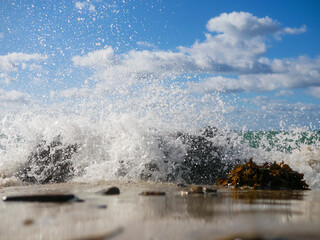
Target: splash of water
{"x": 130, "y": 125}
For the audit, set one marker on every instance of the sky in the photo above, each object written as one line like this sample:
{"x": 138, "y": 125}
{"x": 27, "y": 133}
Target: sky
{"x": 265, "y": 55}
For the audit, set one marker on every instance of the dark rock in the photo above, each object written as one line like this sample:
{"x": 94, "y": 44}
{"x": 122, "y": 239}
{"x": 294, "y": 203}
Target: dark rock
{"x": 210, "y": 190}
{"x": 28, "y": 222}
{"x": 197, "y": 189}
{"x": 102, "y": 206}
{"x": 204, "y": 162}
{"x": 181, "y": 185}
{"x": 110, "y": 191}
{"x": 209, "y": 132}
{"x": 49, "y": 163}
{"x": 146, "y": 174}
{"x": 200, "y": 160}
{"x": 58, "y": 198}
{"x": 152, "y": 193}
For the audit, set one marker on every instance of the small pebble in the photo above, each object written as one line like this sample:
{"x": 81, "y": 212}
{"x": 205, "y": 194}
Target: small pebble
{"x": 102, "y": 206}
{"x": 111, "y": 191}
{"x": 197, "y": 190}
{"x": 152, "y": 193}
{"x": 181, "y": 185}
{"x": 210, "y": 190}
{"x": 28, "y": 222}
{"x": 184, "y": 193}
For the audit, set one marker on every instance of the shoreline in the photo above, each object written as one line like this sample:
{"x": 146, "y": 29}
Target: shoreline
{"x": 228, "y": 214}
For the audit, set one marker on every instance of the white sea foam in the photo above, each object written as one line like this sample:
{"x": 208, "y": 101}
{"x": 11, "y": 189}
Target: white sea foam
{"x": 117, "y": 139}
{"x": 121, "y": 146}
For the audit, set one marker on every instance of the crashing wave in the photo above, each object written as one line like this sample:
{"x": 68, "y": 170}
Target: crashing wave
{"x": 202, "y": 161}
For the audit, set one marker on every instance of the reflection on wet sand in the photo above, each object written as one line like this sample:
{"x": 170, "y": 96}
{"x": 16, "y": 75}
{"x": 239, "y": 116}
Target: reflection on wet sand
{"x": 254, "y": 196}
{"x": 227, "y": 213}
{"x": 224, "y": 204}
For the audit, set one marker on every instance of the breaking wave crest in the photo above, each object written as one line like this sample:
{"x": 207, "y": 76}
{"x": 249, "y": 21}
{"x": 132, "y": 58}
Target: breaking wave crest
{"x": 39, "y": 148}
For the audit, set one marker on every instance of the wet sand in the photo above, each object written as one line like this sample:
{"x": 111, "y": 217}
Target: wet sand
{"x": 228, "y": 214}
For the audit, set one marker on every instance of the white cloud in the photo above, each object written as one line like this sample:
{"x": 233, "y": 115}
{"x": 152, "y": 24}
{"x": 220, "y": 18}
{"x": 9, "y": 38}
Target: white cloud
{"x": 284, "y": 93}
{"x": 292, "y": 73}
{"x": 242, "y": 25}
{"x": 133, "y": 66}
{"x": 218, "y": 83}
{"x": 287, "y": 73}
{"x": 97, "y": 59}
{"x": 236, "y": 47}
{"x": 314, "y": 91}
{"x": 6, "y": 78}
{"x": 12, "y": 102}
{"x": 288, "y": 30}
{"x": 264, "y": 112}
{"x": 13, "y": 97}
{"x": 299, "y": 72}
{"x": 238, "y": 44}
{"x": 276, "y": 105}
{"x": 246, "y": 83}
{"x": 12, "y": 61}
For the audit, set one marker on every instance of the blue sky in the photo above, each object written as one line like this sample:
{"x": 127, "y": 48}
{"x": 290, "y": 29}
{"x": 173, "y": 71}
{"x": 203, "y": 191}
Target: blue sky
{"x": 266, "y": 54}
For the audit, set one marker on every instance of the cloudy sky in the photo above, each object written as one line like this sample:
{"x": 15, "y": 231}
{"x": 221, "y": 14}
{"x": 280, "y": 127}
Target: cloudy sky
{"x": 265, "y": 54}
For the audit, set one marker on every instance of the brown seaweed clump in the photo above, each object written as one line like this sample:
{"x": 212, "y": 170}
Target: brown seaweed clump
{"x": 267, "y": 176}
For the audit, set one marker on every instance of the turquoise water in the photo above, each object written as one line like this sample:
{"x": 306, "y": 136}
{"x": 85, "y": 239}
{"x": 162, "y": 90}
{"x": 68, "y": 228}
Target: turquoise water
{"x": 283, "y": 141}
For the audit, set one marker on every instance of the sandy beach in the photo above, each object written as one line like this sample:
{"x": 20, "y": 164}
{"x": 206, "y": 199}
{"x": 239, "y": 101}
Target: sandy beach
{"x": 227, "y": 214}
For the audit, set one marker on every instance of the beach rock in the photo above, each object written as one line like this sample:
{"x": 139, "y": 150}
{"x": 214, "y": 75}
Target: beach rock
{"x": 197, "y": 190}
{"x": 181, "y": 185}
{"x": 146, "y": 174}
{"x": 267, "y": 176}
{"x": 102, "y": 206}
{"x": 111, "y": 191}
{"x": 58, "y": 198}
{"x": 152, "y": 193}
{"x": 49, "y": 163}
{"x": 210, "y": 190}
{"x": 28, "y": 222}
{"x": 188, "y": 158}
{"x": 203, "y": 163}
{"x": 184, "y": 193}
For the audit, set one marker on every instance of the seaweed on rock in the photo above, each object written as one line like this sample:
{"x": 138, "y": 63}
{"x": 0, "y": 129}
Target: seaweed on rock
{"x": 267, "y": 176}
